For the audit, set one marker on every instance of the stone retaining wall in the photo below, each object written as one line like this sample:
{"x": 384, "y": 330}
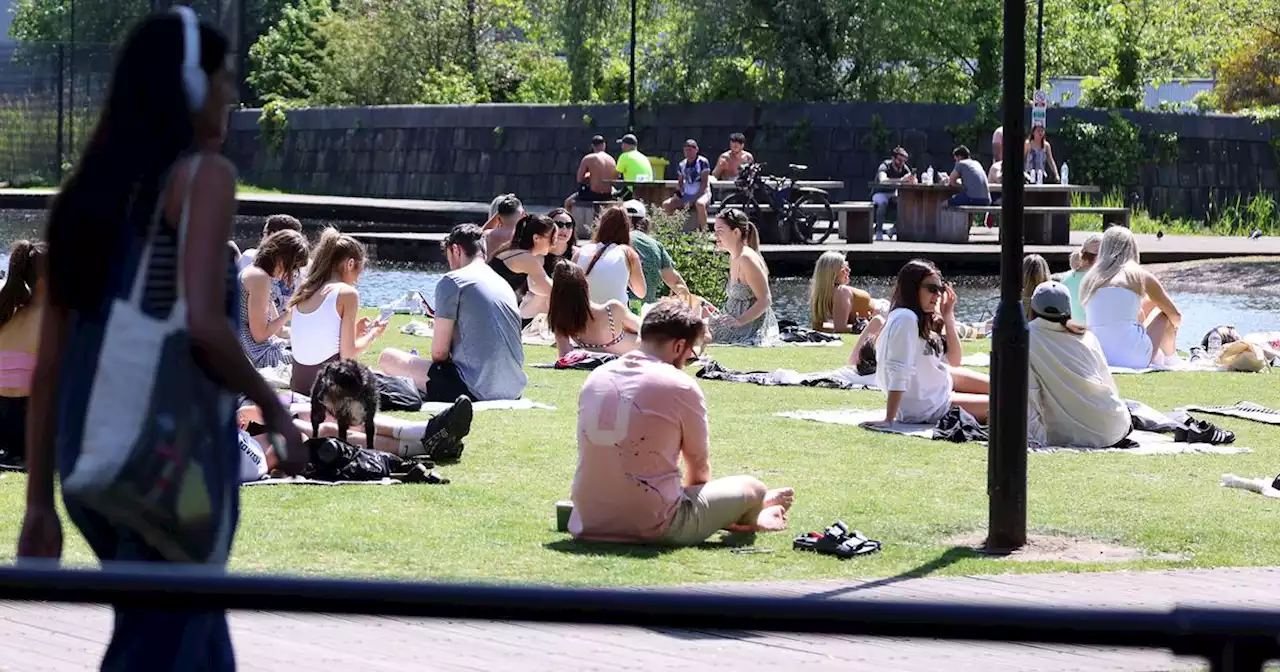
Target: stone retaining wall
{"x": 472, "y": 153}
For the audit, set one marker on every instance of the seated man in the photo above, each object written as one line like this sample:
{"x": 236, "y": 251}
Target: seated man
{"x": 891, "y": 171}
{"x": 1073, "y": 400}
{"x": 969, "y": 174}
{"x": 693, "y": 184}
{"x": 638, "y": 416}
{"x": 504, "y": 212}
{"x": 595, "y": 174}
{"x": 732, "y": 161}
{"x": 475, "y": 343}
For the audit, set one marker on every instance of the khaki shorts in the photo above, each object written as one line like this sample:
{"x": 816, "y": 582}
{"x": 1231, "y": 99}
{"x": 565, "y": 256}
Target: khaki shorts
{"x": 704, "y": 510}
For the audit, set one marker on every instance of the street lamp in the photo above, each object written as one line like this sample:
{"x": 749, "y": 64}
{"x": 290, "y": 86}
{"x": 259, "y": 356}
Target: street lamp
{"x": 1039, "y": 39}
{"x": 1007, "y": 449}
{"x": 631, "y": 99}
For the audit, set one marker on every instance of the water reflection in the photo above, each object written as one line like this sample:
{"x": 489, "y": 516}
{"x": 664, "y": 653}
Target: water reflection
{"x": 383, "y": 283}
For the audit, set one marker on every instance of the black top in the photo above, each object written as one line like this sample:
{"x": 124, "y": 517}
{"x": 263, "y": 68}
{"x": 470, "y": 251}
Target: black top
{"x": 891, "y": 172}
{"x": 518, "y": 281}
{"x": 549, "y": 262}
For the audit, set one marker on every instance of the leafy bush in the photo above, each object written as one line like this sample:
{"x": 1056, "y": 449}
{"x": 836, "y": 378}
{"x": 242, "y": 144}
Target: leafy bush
{"x": 705, "y": 269}
{"x": 1106, "y": 155}
{"x": 448, "y": 85}
{"x": 287, "y": 63}
{"x": 1249, "y": 76}
{"x": 273, "y": 123}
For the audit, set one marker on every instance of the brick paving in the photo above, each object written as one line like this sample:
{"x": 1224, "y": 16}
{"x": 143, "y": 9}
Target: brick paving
{"x": 54, "y": 637}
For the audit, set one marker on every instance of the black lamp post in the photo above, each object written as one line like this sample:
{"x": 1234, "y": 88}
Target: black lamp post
{"x": 1039, "y": 39}
{"x": 631, "y": 99}
{"x": 1007, "y": 450}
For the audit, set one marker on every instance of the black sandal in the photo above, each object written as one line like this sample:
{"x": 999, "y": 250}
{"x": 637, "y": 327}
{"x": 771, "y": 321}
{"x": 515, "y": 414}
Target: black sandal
{"x": 838, "y": 540}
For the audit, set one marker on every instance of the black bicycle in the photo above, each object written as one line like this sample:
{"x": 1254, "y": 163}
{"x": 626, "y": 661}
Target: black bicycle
{"x": 804, "y": 214}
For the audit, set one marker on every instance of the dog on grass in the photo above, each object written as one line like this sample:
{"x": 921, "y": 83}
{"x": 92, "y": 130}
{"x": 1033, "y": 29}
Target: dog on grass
{"x": 348, "y": 391}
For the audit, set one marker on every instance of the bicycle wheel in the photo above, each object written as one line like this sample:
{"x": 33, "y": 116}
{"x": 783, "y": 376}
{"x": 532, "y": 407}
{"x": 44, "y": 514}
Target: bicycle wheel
{"x": 744, "y": 202}
{"x": 811, "y": 219}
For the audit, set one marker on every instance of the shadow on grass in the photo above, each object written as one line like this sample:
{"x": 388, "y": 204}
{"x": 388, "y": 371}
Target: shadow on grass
{"x": 643, "y": 552}
{"x": 948, "y": 558}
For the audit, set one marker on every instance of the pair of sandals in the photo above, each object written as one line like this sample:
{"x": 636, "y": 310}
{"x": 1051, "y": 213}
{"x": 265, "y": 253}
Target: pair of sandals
{"x": 837, "y": 540}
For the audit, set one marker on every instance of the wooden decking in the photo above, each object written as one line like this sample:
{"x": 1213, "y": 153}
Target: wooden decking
{"x": 61, "y": 637}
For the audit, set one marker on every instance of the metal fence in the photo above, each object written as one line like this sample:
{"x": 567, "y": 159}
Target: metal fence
{"x": 1230, "y": 640}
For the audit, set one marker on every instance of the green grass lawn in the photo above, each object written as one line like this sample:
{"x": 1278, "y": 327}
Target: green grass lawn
{"x": 495, "y": 522}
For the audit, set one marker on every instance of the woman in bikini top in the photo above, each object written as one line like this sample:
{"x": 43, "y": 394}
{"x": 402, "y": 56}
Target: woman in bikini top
{"x": 579, "y": 323}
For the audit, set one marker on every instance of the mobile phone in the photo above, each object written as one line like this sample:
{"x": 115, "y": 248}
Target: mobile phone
{"x": 384, "y": 316}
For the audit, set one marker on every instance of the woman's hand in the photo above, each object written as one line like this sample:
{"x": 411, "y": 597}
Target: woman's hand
{"x": 295, "y": 456}
{"x": 41, "y": 535}
{"x": 370, "y": 328}
{"x": 728, "y": 321}
{"x": 949, "y": 302}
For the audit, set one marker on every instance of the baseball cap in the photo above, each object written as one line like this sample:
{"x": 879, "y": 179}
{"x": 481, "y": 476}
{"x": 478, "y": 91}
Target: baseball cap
{"x": 628, "y": 139}
{"x": 597, "y": 140}
{"x": 1052, "y": 300}
{"x": 635, "y": 208}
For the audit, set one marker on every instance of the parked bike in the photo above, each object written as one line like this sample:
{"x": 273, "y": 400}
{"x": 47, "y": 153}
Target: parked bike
{"x": 804, "y": 214}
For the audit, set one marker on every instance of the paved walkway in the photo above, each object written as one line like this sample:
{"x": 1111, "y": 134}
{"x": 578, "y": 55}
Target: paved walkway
{"x": 60, "y": 637}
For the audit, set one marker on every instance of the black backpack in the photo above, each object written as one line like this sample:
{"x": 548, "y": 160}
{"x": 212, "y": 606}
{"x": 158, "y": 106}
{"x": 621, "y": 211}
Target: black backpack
{"x": 334, "y": 460}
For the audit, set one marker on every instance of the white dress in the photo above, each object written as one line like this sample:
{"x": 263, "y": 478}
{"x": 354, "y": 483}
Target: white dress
{"x": 904, "y": 363}
{"x": 610, "y": 276}
{"x": 1112, "y": 316}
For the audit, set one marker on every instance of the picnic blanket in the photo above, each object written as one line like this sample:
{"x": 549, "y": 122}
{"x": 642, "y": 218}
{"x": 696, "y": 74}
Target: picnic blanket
{"x": 1246, "y": 410}
{"x": 1149, "y": 443}
{"x": 299, "y": 480}
{"x": 1262, "y": 486}
{"x": 1180, "y": 365}
{"x": 845, "y": 378}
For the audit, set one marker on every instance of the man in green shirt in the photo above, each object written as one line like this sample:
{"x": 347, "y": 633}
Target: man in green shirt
{"x": 655, "y": 261}
{"x": 632, "y": 165}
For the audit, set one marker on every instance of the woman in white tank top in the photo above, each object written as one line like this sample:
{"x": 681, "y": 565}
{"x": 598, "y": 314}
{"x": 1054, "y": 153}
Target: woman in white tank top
{"x": 326, "y": 326}
{"x": 609, "y": 261}
{"x": 1133, "y": 333}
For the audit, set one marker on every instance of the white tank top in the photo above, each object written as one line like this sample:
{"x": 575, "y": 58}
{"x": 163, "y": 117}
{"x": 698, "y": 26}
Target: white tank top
{"x": 317, "y": 335}
{"x": 1112, "y": 305}
{"x": 609, "y": 277}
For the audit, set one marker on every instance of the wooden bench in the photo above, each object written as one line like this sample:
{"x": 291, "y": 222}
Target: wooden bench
{"x": 585, "y": 214}
{"x": 1039, "y": 219}
{"x": 855, "y": 220}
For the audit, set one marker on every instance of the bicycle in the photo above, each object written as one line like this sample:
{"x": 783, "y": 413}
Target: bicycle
{"x": 800, "y": 210}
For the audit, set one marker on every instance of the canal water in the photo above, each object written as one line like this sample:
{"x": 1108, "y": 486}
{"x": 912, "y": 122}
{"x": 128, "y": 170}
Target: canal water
{"x": 383, "y": 283}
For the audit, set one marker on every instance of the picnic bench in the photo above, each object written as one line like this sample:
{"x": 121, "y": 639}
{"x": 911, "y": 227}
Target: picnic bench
{"x": 925, "y": 217}
{"x": 1039, "y": 221}
{"x": 855, "y": 220}
{"x": 657, "y": 191}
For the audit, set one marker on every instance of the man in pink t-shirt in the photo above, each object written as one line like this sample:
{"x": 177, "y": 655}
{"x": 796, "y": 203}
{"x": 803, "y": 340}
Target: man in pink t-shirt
{"x": 637, "y": 417}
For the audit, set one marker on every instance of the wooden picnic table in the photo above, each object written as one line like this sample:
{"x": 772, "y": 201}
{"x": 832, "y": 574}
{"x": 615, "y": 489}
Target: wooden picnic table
{"x": 657, "y": 191}
{"x": 923, "y": 217}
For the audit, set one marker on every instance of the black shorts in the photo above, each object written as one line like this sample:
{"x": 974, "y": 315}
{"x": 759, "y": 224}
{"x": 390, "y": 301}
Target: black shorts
{"x": 444, "y": 383}
{"x": 13, "y": 426}
{"x": 586, "y": 195}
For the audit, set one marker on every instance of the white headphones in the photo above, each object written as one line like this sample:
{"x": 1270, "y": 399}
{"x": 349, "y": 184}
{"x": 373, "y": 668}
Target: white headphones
{"x": 194, "y": 80}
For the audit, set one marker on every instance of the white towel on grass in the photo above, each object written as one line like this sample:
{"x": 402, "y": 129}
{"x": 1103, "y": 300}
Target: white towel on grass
{"x": 1149, "y": 443}
{"x": 1262, "y": 486}
{"x": 1175, "y": 364}
{"x": 1246, "y": 410}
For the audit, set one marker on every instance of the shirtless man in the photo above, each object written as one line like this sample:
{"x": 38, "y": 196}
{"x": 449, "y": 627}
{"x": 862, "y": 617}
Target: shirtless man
{"x": 733, "y": 160}
{"x": 594, "y": 173}
{"x": 504, "y": 212}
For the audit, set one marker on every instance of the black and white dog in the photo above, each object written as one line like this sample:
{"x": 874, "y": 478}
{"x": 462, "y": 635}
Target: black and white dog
{"x": 347, "y": 390}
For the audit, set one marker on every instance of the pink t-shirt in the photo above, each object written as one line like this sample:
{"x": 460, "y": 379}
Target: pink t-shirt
{"x": 636, "y": 415}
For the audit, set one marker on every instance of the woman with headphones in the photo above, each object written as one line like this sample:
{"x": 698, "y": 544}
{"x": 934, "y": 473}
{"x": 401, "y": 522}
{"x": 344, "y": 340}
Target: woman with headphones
{"x": 141, "y": 228}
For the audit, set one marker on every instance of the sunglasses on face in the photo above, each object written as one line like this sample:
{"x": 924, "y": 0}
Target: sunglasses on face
{"x": 933, "y": 288}
{"x": 563, "y": 224}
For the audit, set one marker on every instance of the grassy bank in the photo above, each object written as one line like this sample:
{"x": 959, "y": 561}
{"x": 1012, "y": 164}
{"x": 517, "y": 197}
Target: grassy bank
{"x": 495, "y": 522}
{"x": 1236, "y": 218}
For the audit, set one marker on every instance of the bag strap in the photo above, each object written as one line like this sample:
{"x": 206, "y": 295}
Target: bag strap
{"x": 144, "y": 264}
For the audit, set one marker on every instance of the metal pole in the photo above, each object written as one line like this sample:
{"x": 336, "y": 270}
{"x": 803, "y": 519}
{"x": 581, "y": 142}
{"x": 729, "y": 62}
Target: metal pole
{"x": 1007, "y": 450}
{"x": 71, "y": 92}
{"x": 1039, "y": 39}
{"x": 631, "y": 99}
{"x": 61, "y": 147}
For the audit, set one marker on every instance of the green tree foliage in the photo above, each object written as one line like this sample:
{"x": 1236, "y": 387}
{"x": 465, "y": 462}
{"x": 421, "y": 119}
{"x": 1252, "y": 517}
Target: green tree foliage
{"x": 1249, "y": 76}
{"x": 288, "y": 62}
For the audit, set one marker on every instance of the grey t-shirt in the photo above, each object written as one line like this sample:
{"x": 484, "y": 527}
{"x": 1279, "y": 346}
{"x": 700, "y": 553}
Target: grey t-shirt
{"x": 974, "y": 179}
{"x": 486, "y": 332}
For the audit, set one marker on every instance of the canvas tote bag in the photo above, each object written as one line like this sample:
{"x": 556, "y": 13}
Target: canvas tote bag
{"x": 150, "y": 444}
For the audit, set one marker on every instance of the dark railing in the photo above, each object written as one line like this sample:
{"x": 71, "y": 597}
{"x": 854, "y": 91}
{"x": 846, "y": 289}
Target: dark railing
{"x": 1231, "y": 640}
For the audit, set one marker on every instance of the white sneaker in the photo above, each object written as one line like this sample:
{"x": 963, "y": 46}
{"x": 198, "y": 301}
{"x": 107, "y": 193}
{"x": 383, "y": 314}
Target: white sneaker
{"x": 410, "y": 304}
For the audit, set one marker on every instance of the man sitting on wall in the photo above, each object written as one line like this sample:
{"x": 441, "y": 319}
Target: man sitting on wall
{"x": 694, "y": 184}
{"x": 595, "y": 172}
{"x": 732, "y": 161}
{"x": 638, "y": 416}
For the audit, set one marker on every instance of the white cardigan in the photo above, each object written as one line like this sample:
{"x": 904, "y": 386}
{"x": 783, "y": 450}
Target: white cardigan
{"x": 1073, "y": 400}
{"x": 903, "y": 366}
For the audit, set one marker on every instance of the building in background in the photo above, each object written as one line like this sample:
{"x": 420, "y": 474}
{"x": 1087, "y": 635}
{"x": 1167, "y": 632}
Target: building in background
{"x": 1065, "y": 92}
{"x": 6, "y": 18}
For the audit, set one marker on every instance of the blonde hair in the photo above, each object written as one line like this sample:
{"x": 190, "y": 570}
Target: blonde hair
{"x": 1035, "y": 270}
{"x": 332, "y": 250}
{"x": 822, "y": 288}
{"x": 1118, "y": 254}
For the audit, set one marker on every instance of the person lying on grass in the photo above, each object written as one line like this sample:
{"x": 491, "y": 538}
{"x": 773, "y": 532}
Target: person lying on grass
{"x": 443, "y": 433}
{"x": 917, "y": 367}
{"x": 637, "y": 417}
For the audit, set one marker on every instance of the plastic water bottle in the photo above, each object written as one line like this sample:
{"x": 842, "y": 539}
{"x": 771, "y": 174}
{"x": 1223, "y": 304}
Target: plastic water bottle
{"x": 928, "y": 176}
{"x": 1063, "y": 174}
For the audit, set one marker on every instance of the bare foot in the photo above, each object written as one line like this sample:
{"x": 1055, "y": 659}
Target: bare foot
{"x": 772, "y": 519}
{"x": 783, "y": 497}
